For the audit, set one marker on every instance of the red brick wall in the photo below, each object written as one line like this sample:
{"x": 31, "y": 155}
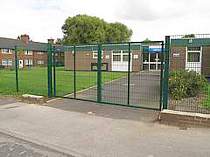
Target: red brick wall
{"x": 206, "y": 61}
{"x": 177, "y": 58}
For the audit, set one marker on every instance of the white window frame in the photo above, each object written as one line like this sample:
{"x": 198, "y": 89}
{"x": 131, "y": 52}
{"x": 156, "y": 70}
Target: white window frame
{"x": 29, "y": 53}
{"x": 40, "y": 62}
{"x": 157, "y": 62}
{"x": 199, "y": 63}
{"x": 196, "y": 51}
{"x": 40, "y": 53}
{"x": 7, "y": 62}
{"x": 117, "y": 53}
{"x": 4, "y": 52}
{"x": 28, "y": 62}
{"x": 4, "y": 62}
{"x": 95, "y": 54}
{"x": 121, "y": 53}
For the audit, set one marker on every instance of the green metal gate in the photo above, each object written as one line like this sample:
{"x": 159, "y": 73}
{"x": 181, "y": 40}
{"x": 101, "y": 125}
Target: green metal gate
{"x": 128, "y": 74}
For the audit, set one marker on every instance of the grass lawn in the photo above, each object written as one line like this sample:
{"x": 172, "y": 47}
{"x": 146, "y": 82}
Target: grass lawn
{"x": 34, "y": 81}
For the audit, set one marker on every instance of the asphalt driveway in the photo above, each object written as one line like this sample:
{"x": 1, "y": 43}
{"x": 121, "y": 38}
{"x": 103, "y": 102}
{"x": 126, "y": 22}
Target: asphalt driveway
{"x": 144, "y": 91}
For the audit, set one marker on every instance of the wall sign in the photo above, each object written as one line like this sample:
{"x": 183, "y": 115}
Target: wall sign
{"x": 176, "y": 54}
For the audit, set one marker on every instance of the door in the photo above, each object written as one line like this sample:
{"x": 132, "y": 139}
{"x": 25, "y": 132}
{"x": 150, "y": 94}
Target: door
{"x": 20, "y": 64}
{"x": 193, "y": 59}
{"x": 120, "y": 61}
{"x": 151, "y": 61}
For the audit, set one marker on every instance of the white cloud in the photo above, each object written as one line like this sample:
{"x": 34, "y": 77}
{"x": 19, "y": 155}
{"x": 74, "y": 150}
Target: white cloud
{"x": 42, "y": 19}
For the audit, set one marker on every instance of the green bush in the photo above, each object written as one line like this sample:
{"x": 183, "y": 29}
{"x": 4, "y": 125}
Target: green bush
{"x": 184, "y": 84}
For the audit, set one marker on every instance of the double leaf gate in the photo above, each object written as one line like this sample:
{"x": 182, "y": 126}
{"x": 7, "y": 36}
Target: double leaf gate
{"x": 128, "y": 74}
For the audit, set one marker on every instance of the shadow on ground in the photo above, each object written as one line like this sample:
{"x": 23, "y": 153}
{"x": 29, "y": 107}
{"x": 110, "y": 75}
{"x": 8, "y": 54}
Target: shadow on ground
{"x": 105, "y": 110}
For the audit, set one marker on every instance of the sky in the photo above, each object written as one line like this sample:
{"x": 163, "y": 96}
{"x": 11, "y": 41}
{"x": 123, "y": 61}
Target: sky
{"x": 43, "y": 19}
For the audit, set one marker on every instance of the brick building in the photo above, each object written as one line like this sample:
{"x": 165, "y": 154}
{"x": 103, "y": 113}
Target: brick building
{"x": 189, "y": 54}
{"x": 115, "y": 58}
{"x": 29, "y": 53}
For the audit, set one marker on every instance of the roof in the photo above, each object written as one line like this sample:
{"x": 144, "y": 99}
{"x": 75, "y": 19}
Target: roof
{"x": 32, "y": 46}
{"x": 43, "y": 47}
{"x": 110, "y": 47}
{"x": 191, "y": 42}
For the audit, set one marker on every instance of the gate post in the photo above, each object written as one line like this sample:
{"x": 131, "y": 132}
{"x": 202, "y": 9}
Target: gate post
{"x": 75, "y": 87}
{"x": 49, "y": 69}
{"x": 166, "y": 73}
{"x": 161, "y": 75}
{"x": 99, "y": 82}
{"x": 16, "y": 69}
{"x": 129, "y": 71}
{"x": 54, "y": 71}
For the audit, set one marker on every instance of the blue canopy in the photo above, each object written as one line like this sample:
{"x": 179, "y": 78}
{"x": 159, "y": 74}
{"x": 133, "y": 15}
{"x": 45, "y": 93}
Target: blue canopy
{"x": 152, "y": 49}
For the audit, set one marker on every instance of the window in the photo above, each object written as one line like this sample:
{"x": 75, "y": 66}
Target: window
{"x": 95, "y": 54}
{"x": 146, "y": 57}
{"x": 125, "y": 57}
{"x": 28, "y": 53}
{"x": 193, "y": 57}
{"x": 152, "y": 57}
{"x": 194, "y": 49}
{"x": 116, "y": 52}
{"x": 6, "y": 62}
{"x": 116, "y": 57}
{"x": 135, "y": 56}
{"x": 28, "y": 62}
{"x": 6, "y": 51}
{"x": 40, "y": 62}
{"x": 193, "y": 54}
{"x": 40, "y": 53}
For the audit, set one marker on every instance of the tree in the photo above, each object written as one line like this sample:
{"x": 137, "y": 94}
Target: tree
{"x": 58, "y": 41}
{"x": 147, "y": 40}
{"x": 83, "y": 29}
{"x": 118, "y": 32}
{"x": 189, "y": 36}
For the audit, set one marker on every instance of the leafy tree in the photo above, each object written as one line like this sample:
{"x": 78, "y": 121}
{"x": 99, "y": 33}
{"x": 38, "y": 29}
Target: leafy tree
{"x": 189, "y": 36}
{"x": 83, "y": 29}
{"x": 118, "y": 32}
{"x": 147, "y": 40}
{"x": 58, "y": 41}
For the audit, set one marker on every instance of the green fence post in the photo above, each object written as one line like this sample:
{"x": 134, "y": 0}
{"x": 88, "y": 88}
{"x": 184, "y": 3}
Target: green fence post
{"x": 99, "y": 81}
{"x": 16, "y": 70}
{"x": 75, "y": 87}
{"x": 166, "y": 73}
{"x": 129, "y": 71}
{"x": 161, "y": 75}
{"x": 49, "y": 69}
{"x": 54, "y": 73}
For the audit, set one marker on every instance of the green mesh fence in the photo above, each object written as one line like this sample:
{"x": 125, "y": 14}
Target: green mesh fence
{"x": 189, "y": 73}
{"x": 122, "y": 73}
{"x": 24, "y": 70}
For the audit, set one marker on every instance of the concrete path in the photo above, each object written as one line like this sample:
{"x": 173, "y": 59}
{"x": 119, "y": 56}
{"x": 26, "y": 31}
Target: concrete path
{"x": 81, "y": 134}
{"x": 105, "y": 110}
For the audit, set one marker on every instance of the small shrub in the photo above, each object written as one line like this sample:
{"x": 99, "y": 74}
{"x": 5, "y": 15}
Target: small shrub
{"x": 184, "y": 84}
